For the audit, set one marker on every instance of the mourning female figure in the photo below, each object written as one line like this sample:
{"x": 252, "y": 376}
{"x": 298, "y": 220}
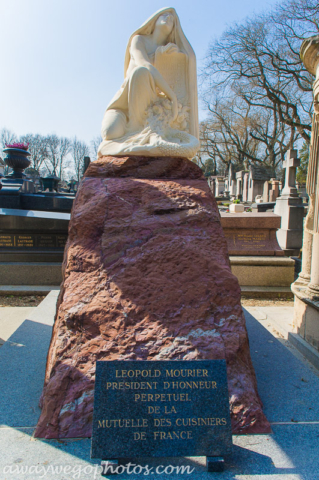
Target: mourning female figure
{"x": 155, "y": 111}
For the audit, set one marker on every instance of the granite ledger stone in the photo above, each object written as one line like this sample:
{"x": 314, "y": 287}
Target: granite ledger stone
{"x": 146, "y": 277}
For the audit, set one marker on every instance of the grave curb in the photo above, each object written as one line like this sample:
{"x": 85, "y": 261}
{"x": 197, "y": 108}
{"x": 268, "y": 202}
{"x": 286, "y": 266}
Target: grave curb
{"x": 311, "y": 354}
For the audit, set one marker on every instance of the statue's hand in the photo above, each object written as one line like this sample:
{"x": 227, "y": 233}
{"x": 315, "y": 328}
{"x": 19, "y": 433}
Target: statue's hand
{"x": 169, "y": 48}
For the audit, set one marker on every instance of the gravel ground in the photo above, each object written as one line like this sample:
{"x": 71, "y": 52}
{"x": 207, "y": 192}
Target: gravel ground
{"x": 21, "y": 301}
{"x": 267, "y": 302}
{"x": 34, "y": 300}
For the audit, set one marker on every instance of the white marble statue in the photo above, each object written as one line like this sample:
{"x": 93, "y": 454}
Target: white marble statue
{"x": 155, "y": 111}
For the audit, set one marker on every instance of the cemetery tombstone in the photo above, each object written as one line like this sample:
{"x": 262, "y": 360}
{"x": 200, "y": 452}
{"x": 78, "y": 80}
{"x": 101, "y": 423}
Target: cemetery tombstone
{"x": 290, "y": 207}
{"x": 274, "y": 192}
{"x": 147, "y": 273}
{"x": 219, "y": 186}
{"x": 212, "y": 183}
{"x": 258, "y": 175}
{"x": 245, "y": 186}
{"x": 266, "y": 191}
{"x": 240, "y": 185}
{"x": 231, "y": 182}
{"x": 32, "y": 236}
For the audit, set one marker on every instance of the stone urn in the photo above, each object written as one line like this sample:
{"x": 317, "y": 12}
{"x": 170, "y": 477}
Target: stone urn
{"x": 17, "y": 159}
{"x": 51, "y": 182}
{"x": 72, "y": 184}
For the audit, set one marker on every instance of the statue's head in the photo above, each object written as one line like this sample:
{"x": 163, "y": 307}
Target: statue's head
{"x": 165, "y": 23}
{"x": 168, "y": 22}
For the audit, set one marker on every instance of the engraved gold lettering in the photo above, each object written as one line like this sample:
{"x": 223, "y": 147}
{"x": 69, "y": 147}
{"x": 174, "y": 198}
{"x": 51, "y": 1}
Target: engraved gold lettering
{"x": 123, "y": 423}
{"x": 195, "y": 422}
{"x": 173, "y": 435}
{"x": 137, "y": 373}
{"x": 162, "y": 422}
{"x": 139, "y": 435}
{"x": 162, "y": 397}
{"x": 172, "y": 410}
{"x": 153, "y": 409}
{"x": 196, "y": 372}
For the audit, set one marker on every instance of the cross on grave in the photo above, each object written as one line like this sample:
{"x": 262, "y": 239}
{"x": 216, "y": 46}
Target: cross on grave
{"x": 290, "y": 164}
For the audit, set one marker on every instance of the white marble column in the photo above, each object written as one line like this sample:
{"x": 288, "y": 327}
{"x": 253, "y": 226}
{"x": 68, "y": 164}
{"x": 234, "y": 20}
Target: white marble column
{"x": 304, "y": 276}
{"x": 313, "y": 286}
{"x": 309, "y": 275}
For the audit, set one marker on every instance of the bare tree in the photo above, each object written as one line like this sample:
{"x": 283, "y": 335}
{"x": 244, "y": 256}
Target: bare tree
{"x": 274, "y": 137}
{"x": 226, "y": 134}
{"x": 52, "y": 142}
{"x": 79, "y": 150}
{"x": 64, "y": 150}
{"x": 7, "y": 137}
{"x": 57, "y": 149}
{"x": 37, "y": 148}
{"x": 95, "y": 143}
{"x": 259, "y": 60}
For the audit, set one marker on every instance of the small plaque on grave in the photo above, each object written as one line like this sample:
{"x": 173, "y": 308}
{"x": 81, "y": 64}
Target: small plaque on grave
{"x": 161, "y": 409}
{"x": 247, "y": 239}
{"x": 61, "y": 240}
{"x": 25, "y": 241}
{"x": 35, "y": 241}
{"x": 46, "y": 241}
{"x": 7, "y": 240}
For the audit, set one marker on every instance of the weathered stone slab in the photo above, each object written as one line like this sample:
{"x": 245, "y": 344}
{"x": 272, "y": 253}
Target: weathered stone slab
{"x": 146, "y": 277}
{"x": 161, "y": 409}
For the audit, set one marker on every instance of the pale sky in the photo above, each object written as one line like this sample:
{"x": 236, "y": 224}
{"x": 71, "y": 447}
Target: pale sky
{"x": 62, "y": 60}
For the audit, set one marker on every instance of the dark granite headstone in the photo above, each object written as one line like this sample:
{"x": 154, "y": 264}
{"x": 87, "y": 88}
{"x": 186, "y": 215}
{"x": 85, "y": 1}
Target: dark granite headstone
{"x": 28, "y": 235}
{"x": 161, "y": 409}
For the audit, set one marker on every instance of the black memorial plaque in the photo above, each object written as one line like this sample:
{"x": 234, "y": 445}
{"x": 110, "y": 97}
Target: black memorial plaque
{"x": 161, "y": 409}
{"x": 6, "y": 240}
{"x": 48, "y": 241}
{"x": 61, "y": 240}
{"x": 25, "y": 241}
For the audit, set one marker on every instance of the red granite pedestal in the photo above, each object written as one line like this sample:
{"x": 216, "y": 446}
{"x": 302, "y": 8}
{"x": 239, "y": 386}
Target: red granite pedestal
{"x": 146, "y": 277}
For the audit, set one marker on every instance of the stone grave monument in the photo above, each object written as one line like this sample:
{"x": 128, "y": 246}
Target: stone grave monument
{"x": 274, "y": 191}
{"x": 33, "y": 227}
{"x": 306, "y": 287}
{"x": 241, "y": 184}
{"x": 146, "y": 274}
{"x": 219, "y": 186}
{"x": 289, "y": 206}
{"x": 255, "y": 256}
{"x": 257, "y": 177}
{"x": 271, "y": 190}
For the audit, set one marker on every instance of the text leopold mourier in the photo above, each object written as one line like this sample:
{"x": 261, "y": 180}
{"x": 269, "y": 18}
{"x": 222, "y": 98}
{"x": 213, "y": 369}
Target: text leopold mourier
{"x": 148, "y": 386}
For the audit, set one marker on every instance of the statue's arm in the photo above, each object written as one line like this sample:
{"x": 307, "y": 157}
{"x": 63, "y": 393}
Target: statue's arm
{"x": 141, "y": 59}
